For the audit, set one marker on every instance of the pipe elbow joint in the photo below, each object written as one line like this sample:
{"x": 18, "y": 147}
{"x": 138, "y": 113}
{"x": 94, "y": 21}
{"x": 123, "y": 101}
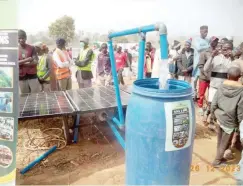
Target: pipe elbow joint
{"x": 109, "y": 35}
{"x": 161, "y": 27}
{"x": 142, "y": 35}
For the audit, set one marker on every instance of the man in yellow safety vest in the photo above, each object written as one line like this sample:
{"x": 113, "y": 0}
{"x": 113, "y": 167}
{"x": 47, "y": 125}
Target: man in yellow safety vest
{"x": 44, "y": 66}
{"x": 84, "y": 63}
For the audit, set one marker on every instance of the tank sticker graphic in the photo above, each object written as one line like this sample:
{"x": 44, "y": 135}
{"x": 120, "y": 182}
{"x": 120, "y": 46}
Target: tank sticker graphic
{"x": 178, "y": 125}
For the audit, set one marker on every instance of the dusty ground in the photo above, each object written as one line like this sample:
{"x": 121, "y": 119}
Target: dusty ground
{"x": 98, "y": 159}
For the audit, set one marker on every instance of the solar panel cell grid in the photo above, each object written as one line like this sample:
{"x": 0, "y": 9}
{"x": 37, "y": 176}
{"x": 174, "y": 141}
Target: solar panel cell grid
{"x": 98, "y": 98}
{"x": 42, "y": 104}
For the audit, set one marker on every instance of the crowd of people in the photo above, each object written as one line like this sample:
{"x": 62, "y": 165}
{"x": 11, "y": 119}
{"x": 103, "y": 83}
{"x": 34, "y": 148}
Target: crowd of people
{"x": 210, "y": 65}
{"x": 214, "y": 66}
{"x": 44, "y": 70}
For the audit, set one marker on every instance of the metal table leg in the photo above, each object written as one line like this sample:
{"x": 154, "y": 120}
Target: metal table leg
{"x": 66, "y": 129}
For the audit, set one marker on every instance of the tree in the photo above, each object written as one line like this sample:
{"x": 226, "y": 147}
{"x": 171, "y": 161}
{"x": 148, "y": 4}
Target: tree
{"x": 63, "y": 27}
{"x": 103, "y": 38}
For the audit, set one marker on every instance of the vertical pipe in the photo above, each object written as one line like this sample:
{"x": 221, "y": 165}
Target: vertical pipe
{"x": 114, "y": 75}
{"x": 163, "y": 46}
{"x": 141, "y": 55}
{"x": 76, "y": 128}
{"x": 118, "y": 136}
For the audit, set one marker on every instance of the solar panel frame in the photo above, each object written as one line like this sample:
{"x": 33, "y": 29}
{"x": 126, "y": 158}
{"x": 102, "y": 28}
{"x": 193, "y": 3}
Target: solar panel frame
{"x": 95, "y": 98}
{"x": 126, "y": 88}
{"x": 44, "y": 104}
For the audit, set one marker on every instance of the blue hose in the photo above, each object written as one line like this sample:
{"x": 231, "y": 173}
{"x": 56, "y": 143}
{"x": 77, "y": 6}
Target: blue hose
{"x": 37, "y": 160}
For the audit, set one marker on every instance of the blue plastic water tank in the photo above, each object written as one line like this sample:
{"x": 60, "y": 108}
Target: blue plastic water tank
{"x": 160, "y": 128}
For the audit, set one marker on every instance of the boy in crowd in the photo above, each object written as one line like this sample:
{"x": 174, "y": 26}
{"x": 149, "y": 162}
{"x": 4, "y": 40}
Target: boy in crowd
{"x": 129, "y": 59}
{"x": 204, "y": 79}
{"x": 148, "y": 64}
{"x": 121, "y": 61}
{"x": 104, "y": 66}
{"x": 44, "y": 66}
{"x": 150, "y": 50}
{"x": 185, "y": 63}
{"x": 174, "y": 53}
{"x": 227, "y": 108}
{"x": 217, "y": 67}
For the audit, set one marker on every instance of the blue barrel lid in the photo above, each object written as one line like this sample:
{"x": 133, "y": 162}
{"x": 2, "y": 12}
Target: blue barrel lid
{"x": 150, "y": 87}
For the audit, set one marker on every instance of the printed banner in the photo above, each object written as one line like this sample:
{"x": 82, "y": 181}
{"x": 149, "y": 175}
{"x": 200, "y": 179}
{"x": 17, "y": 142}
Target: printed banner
{"x": 9, "y": 91}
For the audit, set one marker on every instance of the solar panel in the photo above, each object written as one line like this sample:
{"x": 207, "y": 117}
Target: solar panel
{"x": 96, "y": 98}
{"x": 126, "y": 88}
{"x": 44, "y": 104}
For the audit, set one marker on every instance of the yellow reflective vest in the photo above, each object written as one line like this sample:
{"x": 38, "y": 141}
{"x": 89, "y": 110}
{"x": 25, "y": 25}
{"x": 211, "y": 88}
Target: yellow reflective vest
{"x": 41, "y": 67}
{"x": 82, "y": 56}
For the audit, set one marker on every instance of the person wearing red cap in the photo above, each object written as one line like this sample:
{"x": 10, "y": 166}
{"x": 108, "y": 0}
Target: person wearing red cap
{"x": 204, "y": 79}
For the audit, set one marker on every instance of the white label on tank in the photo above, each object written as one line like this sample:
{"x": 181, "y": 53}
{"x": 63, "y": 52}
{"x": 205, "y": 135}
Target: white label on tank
{"x": 178, "y": 125}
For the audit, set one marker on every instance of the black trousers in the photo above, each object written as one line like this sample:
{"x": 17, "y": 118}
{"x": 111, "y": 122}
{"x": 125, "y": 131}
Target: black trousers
{"x": 120, "y": 77}
{"x": 195, "y": 87}
{"x": 148, "y": 75}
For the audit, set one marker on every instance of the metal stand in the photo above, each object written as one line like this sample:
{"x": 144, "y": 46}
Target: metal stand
{"x": 76, "y": 128}
{"x": 66, "y": 129}
{"x": 141, "y": 55}
{"x": 120, "y": 122}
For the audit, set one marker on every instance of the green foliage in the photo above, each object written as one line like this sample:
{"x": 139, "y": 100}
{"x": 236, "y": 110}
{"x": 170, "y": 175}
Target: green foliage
{"x": 63, "y": 27}
{"x": 40, "y": 37}
{"x": 5, "y": 80}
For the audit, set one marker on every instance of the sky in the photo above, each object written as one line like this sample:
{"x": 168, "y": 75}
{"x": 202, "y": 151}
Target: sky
{"x": 182, "y": 17}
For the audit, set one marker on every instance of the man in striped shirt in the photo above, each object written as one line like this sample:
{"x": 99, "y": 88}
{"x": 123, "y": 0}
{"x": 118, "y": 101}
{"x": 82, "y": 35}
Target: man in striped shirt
{"x": 217, "y": 67}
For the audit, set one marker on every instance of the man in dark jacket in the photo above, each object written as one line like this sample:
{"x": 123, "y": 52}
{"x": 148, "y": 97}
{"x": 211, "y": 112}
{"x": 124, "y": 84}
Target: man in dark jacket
{"x": 227, "y": 107}
{"x": 185, "y": 63}
{"x": 204, "y": 79}
{"x": 104, "y": 66}
{"x": 129, "y": 59}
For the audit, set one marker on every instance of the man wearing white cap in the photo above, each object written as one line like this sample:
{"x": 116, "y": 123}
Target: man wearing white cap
{"x": 199, "y": 45}
{"x": 84, "y": 64}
